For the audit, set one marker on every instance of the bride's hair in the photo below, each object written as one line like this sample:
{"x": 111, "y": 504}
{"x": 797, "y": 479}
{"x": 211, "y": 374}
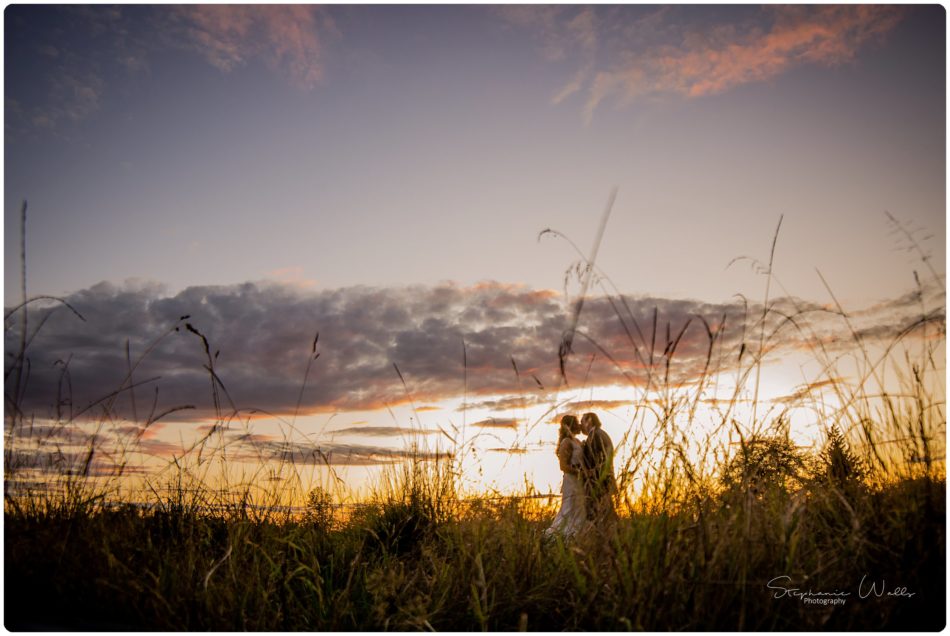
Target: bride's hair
{"x": 569, "y": 424}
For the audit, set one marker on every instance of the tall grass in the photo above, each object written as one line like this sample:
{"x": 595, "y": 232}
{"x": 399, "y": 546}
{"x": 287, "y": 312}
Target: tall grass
{"x": 712, "y": 534}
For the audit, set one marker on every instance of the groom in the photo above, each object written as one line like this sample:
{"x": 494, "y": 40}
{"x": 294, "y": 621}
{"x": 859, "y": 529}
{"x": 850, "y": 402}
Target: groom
{"x": 598, "y": 470}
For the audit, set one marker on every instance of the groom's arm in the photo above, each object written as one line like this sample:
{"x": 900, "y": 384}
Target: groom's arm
{"x": 589, "y": 455}
{"x": 603, "y": 452}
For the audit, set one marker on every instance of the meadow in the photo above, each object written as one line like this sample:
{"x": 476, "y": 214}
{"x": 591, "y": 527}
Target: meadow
{"x": 759, "y": 534}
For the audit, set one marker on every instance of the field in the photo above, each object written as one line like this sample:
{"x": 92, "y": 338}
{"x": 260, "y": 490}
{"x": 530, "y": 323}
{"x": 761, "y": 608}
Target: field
{"x": 408, "y": 563}
{"x": 761, "y": 536}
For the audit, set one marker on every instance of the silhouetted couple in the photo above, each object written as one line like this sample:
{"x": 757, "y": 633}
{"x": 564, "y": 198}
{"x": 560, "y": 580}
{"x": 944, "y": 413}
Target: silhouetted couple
{"x": 588, "y": 486}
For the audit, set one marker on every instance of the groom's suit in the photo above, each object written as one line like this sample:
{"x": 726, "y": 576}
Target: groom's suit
{"x": 598, "y": 473}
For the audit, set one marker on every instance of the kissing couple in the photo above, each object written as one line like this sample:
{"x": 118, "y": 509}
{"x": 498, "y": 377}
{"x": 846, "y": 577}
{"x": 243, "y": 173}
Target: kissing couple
{"x": 588, "y": 486}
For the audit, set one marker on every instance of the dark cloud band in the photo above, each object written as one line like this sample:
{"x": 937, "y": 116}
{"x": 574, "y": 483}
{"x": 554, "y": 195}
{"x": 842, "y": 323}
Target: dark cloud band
{"x": 259, "y": 340}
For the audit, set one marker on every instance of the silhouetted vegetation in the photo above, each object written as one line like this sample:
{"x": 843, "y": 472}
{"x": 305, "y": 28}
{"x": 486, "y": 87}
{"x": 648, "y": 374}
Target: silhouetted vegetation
{"x": 704, "y": 563}
{"x": 753, "y": 536}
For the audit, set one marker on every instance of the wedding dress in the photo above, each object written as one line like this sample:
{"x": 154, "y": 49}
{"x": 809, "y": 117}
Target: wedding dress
{"x": 572, "y": 515}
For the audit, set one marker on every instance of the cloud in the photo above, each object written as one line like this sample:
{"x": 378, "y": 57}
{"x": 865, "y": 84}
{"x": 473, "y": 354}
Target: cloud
{"x": 494, "y": 422}
{"x": 383, "y": 431}
{"x": 42, "y": 451}
{"x": 590, "y": 405}
{"x": 632, "y": 52}
{"x": 80, "y": 96}
{"x": 288, "y": 38}
{"x": 59, "y": 435}
{"x": 63, "y": 58}
{"x": 67, "y": 62}
{"x": 514, "y": 450}
{"x": 338, "y": 454}
{"x": 504, "y": 403}
{"x": 260, "y": 337}
{"x": 292, "y": 275}
{"x": 72, "y": 95}
{"x": 160, "y": 448}
{"x": 731, "y": 56}
{"x": 64, "y": 449}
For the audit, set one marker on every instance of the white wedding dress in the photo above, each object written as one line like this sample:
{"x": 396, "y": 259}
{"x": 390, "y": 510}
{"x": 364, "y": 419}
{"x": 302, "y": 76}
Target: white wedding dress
{"x": 573, "y": 513}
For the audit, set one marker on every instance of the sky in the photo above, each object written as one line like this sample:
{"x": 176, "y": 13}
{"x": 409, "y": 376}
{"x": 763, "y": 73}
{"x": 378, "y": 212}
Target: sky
{"x": 382, "y": 176}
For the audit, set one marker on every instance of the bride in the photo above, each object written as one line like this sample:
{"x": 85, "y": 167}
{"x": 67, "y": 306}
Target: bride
{"x": 572, "y": 514}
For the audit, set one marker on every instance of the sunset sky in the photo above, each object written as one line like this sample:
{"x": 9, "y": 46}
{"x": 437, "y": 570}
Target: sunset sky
{"x": 381, "y": 174}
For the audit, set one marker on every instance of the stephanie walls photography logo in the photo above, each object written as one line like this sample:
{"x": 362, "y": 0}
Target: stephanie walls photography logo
{"x": 867, "y": 589}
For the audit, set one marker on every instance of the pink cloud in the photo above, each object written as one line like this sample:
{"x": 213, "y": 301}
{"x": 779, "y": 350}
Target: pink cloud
{"x": 289, "y": 38}
{"x": 292, "y": 276}
{"x": 160, "y": 448}
{"x": 829, "y": 36}
{"x": 654, "y": 55}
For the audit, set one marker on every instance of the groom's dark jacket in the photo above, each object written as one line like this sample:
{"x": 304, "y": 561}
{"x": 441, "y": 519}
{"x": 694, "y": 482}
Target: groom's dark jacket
{"x": 599, "y": 465}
